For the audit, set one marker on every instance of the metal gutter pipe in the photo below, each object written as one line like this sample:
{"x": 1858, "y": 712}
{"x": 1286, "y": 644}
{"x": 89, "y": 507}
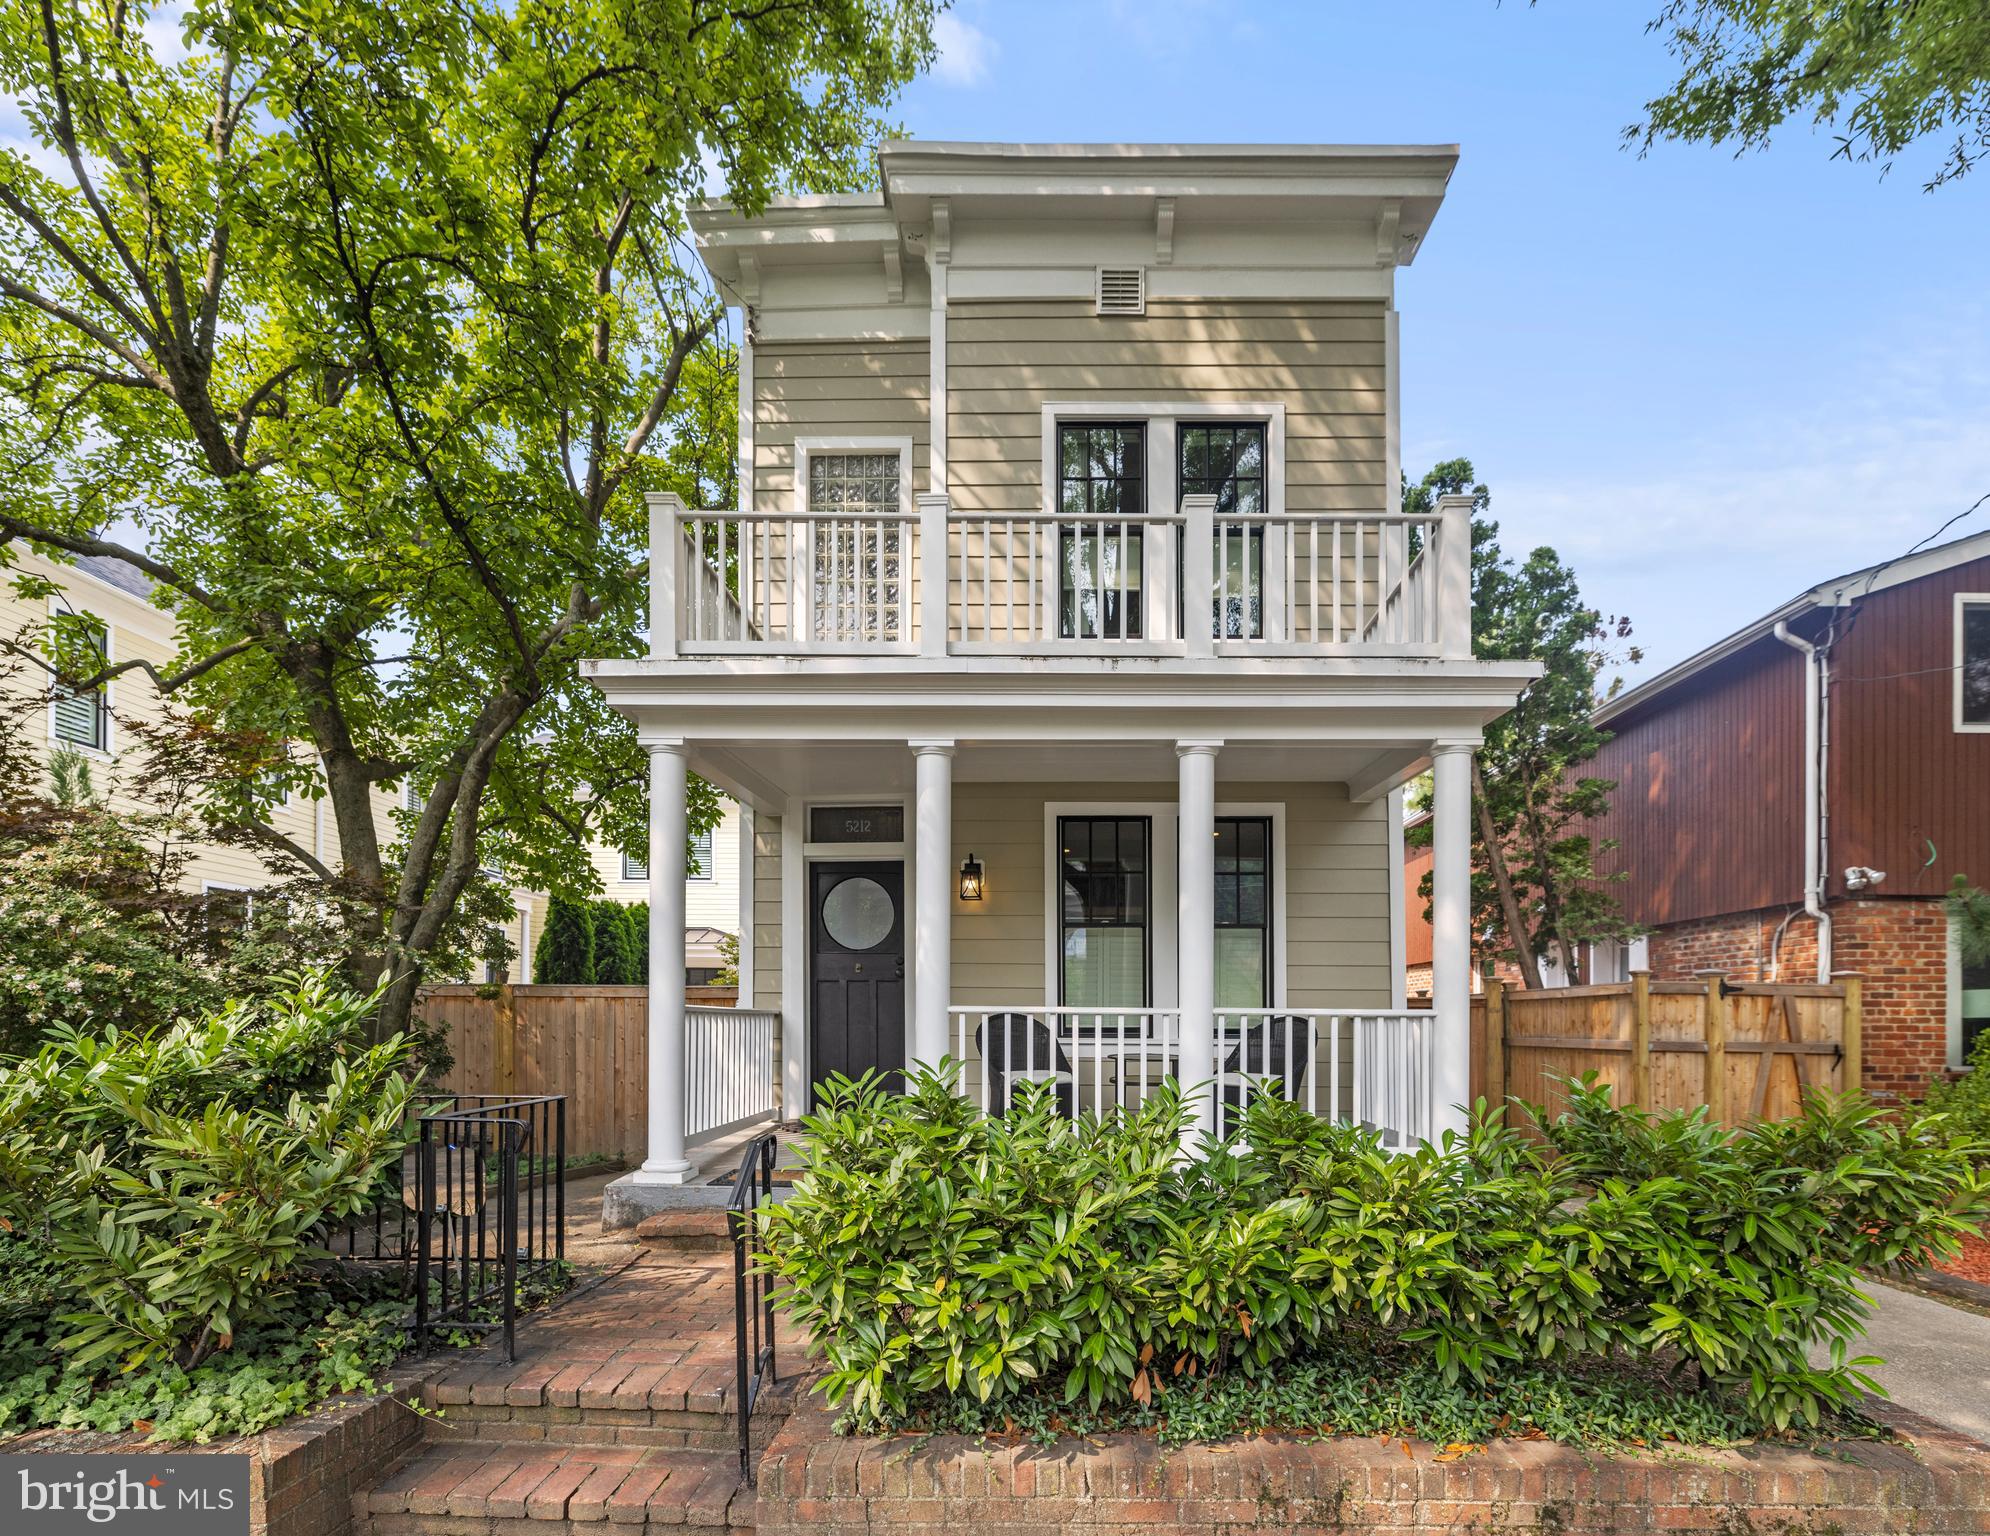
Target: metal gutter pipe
{"x": 1813, "y": 793}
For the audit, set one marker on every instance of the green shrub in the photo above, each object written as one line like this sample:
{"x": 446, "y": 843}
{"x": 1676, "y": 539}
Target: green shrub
{"x": 936, "y": 1253}
{"x": 614, "y": 944}
{"x": 178, "y": 1178}
{"x": 639, "y": 934}
{"x": 1964, "y": 1104}
{"x": 565, "y": 956}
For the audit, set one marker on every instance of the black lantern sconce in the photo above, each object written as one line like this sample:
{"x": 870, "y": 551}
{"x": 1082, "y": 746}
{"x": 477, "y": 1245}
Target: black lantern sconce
{"x": 972, "y": 884}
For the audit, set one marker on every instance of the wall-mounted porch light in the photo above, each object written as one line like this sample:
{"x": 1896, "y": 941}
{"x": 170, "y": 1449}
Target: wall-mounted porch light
{"x": 971, "y": 883}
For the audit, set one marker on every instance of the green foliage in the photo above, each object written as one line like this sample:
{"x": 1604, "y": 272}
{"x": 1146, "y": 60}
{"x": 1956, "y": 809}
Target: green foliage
{"x": 639, "y": 933}
{"x": 374, "y": 322}
{"x": 565, "y": 956}
{"x": 1881, "y": 76}
{"x": 615, "y": 963}
{"x": 1967, "y": 908}
{"x": 1536, "y": 876}
{"x": 179, "y": 1178}
{"x": 937, "y": 1254}
{"x": 1964, "y": 1104}
{"x": 727, "y": 974}
{"x": 70, "y": 781}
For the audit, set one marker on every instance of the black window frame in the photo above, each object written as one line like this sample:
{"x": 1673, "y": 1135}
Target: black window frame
{"x": 1249, "y": 624}
{"x": 1105, "y": 626}
{"x": 1146, "y": 922}
{"x": 1268, "y": 945}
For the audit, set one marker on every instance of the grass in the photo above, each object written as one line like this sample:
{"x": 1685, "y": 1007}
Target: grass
{"x": 1360, "y": 1390}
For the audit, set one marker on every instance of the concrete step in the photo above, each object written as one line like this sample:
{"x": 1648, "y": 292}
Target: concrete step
{"x": 693, "y": 1229}
{"x": 532, "y": 1489}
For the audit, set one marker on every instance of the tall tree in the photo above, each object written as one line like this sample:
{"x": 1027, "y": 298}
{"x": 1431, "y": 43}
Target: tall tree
{"x": 358, "y": 329}
{"x": 565, "y": 956}
{"x": 1535, "y": 875}
{"x": 1879, "y": 75}
{"x": 614, "y": 944}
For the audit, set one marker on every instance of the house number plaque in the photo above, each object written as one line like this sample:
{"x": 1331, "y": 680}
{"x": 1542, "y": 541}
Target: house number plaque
{"x": 856, "y": 824}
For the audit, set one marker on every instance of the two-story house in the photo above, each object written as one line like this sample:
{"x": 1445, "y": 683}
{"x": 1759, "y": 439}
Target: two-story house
{"x": 1794, "y": 800}
{"x": 1069, "y": 646}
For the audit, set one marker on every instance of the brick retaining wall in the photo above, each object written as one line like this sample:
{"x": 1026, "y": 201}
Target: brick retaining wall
{"x": 813, "y": 1483}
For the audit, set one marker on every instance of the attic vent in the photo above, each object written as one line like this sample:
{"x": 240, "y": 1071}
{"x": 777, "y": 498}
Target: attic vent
{"x": 1122, "y": 291}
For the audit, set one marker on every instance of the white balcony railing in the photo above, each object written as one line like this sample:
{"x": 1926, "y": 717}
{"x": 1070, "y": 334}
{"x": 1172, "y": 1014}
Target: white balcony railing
{"x": 1373, "y": 1066}
{"x": 729, "y": 1069}
{"x": 949, "y": 582}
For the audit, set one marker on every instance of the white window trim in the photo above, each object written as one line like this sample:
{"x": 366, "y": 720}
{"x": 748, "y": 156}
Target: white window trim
{"x": 108, "y": 751}
{"x": 629, "y": 879}
{"x": 709, "y": 870}
{"x": 809, "y": 447}
{"x": 1966, "y": 727}
{"x": 1163, "y": 891}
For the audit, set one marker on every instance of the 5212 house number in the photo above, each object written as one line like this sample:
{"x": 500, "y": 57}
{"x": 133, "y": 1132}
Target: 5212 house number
{"x": 856, "y": 824}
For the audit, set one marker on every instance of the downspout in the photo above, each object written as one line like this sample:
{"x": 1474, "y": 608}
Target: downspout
{"x": 1814, "y": 663}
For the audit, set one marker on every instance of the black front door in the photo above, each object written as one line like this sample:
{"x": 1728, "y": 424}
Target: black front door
{"x": 856, "y": 971}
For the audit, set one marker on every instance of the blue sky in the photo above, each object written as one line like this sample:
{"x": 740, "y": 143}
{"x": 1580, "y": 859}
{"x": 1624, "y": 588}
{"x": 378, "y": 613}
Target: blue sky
{"x": 1709, "y": 383}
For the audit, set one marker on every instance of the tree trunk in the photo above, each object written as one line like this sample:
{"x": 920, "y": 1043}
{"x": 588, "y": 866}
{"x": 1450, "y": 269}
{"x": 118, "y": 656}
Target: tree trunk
{"x": 1509, "y": 903}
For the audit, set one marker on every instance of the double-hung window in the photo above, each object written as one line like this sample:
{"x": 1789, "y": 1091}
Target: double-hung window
{"x": 1101, "y": 497}
{"x": 635, "y": 869}
{"x": 858, "y": 562}
{"x": 1105, "y": 868}
{"x": 701, "y": 856}
{"x": 1227, "y": 460}
{"x": 83, "y": 719}
{"x": 1972, "y": 663}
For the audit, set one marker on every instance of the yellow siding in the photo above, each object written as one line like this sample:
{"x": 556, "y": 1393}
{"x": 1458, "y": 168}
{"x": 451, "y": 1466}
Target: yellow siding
{"x": 766, "y": 911}
{"x": 710, "y": 902}
{"x": 833, "y": 390}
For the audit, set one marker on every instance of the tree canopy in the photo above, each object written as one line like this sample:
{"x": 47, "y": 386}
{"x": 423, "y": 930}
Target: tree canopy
{"x": 1879, "y": 75}
{"x": 360, "y": 330}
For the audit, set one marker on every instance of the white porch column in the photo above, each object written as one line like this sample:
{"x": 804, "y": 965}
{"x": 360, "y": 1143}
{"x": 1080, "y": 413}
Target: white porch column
{"x": 932, "y": 903}
{"x": 1451, "y": 935}
{"x": 666, "y": 1163}
{"x": 1195, "y": 928}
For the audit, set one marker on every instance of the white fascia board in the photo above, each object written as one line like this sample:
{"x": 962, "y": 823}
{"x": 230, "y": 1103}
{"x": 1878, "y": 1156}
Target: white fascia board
{"x": 972, "y": 283}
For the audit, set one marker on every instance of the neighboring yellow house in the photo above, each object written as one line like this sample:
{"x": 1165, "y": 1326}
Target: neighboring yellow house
{"x": 100, "y": 727}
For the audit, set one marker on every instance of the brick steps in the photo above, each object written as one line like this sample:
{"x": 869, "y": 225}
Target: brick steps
{"x": 532, "y": 1489}
{"x": 700, "y": 1229}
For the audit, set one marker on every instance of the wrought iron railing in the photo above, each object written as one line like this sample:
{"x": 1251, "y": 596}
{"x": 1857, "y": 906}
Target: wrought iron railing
{"x": 752, "y": 1296}
{"x": 473, "y": 1211}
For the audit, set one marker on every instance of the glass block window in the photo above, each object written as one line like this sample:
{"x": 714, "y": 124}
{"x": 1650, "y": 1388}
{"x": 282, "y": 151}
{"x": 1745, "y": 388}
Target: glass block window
{"x": 858, "y": 563}
{"x": 1105, "y": 871}
{"x": 1101, "y": 487}
{"x": 1228, "y": 462}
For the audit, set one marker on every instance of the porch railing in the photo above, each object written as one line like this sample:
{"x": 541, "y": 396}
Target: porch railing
{"x": 1373, "y": 1067}
{"x": 754, "y": 1366}
{"x": 728, "y": 1068}
{"x": 948, "y": 581}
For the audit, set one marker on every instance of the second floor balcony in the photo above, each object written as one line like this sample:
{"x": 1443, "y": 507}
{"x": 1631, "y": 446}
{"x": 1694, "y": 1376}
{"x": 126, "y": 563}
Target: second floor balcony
{"x": 940, "y": 581}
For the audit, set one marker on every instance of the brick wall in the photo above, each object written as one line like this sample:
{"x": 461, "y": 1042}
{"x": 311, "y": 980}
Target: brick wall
{"x": 1900, "y": 947}
{"x": 813, "y": 1483}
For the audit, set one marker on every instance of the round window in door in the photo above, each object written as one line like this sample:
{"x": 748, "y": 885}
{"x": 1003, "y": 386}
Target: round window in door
{"x": 858, "y": 913}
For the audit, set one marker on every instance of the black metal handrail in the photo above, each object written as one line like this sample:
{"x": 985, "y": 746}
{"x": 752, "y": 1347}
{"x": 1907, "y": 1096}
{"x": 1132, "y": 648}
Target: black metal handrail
{"x": 477, "y": 1204}
{"x": 752, "y": 1297}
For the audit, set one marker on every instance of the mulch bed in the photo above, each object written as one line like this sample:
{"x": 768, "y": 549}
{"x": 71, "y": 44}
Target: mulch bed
{"x": 1973, "y": 1263}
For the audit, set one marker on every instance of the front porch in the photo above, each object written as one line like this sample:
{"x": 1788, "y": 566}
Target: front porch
{"x": 1233, "y": 926}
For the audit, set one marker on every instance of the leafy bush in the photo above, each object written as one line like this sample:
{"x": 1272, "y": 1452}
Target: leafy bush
{"x": 565, "y": 956}
{"x": 178, "y": 1178}
{"x": 615, "y": 963}
{"x": 936, "y": 1253}
{"x": 1964, "y": 1104}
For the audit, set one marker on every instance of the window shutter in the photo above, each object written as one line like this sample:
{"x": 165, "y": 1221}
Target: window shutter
{"x": 1122, "y": 291}
{"x": 78, "y": 718}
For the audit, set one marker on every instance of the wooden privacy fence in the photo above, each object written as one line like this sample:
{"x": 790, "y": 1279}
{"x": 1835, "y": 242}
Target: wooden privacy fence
{"x": 1746, "y": 1050}
{"x": 591, "y": 1043}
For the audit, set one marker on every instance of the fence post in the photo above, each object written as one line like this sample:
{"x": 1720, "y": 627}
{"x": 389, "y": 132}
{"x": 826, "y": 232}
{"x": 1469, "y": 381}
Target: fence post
{"x": 1852, "y": 1038}
{"x": 1495, "y": 1042}
{"x": 1714, "y": 1090}
{"x": 504, "y": 1039}
{"x": 1641, "y": 1039}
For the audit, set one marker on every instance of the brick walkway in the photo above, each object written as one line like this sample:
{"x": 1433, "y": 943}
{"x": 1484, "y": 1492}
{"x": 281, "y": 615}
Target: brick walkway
{"x": 618, "y": 1408}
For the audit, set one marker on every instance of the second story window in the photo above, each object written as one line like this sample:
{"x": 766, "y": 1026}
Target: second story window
{"x": 1102, "y": 492}
{"x": 83, "y": 719}
{"x": 1227, "y": 460}
{"x": 701, "y": 856}
{"x": 635, "y": 869}
{"x": 857, "y": 562}
{"x": 1972, "y": 663}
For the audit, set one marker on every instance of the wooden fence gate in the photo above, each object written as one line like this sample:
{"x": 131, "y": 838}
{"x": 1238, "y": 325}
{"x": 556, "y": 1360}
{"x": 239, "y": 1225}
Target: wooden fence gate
{"x": 1745, "y": 1050}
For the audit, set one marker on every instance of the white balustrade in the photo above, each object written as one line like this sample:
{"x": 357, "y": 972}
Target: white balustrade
{"x": 728, "y": 1068}
{"x": 1372, "y": 1067}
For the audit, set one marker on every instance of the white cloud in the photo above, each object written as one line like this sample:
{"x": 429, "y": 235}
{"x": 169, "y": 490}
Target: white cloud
{"x": 966, "y": 53}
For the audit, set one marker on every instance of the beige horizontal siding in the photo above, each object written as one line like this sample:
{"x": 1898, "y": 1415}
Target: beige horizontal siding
{"x": 834, "y": 389}
{"x": 767, "y": 915}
